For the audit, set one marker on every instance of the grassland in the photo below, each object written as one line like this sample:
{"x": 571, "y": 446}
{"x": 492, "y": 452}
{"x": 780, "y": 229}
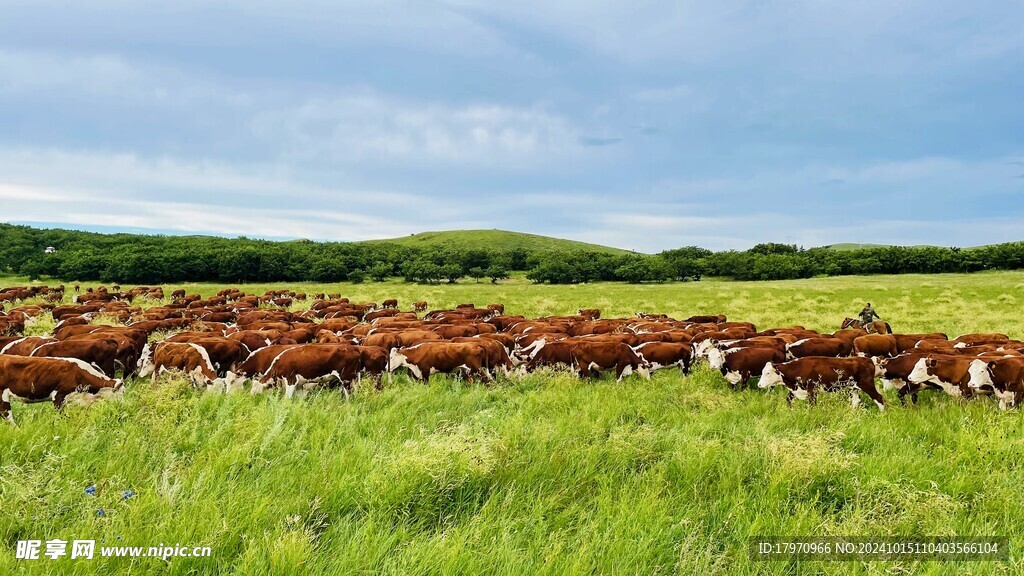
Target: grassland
{"x": 544, "y": 474}
{"x": 496, "y": 240}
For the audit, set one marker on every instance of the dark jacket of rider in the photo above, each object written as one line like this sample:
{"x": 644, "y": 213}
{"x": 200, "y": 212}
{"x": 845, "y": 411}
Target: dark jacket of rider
{"x": 868, "y": 314}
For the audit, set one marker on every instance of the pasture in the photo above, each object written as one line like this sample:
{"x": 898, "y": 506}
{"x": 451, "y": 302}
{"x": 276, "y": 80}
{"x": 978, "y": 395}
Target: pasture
{"x": 537, "y": 474}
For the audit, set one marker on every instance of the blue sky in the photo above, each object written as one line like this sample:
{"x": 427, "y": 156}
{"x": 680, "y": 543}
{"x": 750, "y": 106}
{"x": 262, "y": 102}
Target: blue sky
{"x": 644, "y": 125}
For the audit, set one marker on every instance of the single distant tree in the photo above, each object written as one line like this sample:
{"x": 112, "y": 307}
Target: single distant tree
{"x": 380, "y": 272}
{"x": 496, "y": 272}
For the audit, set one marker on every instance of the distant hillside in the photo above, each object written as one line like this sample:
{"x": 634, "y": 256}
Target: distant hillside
{"x": 495, "y": 240}
{"x": 855, "y": 246}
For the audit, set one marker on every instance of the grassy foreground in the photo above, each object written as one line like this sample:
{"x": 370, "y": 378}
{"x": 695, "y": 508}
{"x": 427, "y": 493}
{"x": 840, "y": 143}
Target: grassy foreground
{"x": 544, "y": 474}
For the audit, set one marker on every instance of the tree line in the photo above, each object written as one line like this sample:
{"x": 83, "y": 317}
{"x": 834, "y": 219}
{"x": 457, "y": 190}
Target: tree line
{"x": 155, "y": 259}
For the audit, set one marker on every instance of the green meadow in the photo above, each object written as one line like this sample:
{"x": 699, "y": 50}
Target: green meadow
{"x": 542, "y": 474}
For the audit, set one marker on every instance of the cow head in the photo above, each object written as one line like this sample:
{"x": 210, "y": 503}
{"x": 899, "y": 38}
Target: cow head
{"x": 920, "y": 372}
{"x": 879, "y": 365}
{"x": 981, "y": 374}
{"x": 396, "y": 360}
{"x": 770, "y": 376}
{"x": 716, "y": 358}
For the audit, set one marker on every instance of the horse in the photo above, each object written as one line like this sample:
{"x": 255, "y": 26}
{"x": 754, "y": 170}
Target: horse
{"x": 879, "y": 327}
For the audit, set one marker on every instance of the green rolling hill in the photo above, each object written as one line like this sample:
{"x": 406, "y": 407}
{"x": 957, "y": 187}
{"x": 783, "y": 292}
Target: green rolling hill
{"x": 495, "y": 240}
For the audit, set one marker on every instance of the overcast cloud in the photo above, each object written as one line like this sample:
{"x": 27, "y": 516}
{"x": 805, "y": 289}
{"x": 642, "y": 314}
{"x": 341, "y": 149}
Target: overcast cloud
{"x": 641, "y": 125}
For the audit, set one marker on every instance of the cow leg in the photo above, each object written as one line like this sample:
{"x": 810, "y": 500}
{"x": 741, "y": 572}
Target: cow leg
{"x": 789, "y": 398}
{"x": 59, "y": 399}
{"x": 583, "y": 369}
{"x": 854, "y": 397}
{"x": 289, "y": 389}
{"x": 873, "y": 393}
{"x": 620, "y": 369}
{"x": 485, "y": 375}
{"x": 811, "y": 394}
{"x": 902, "y": 394}
{"x": 5, "y": 411}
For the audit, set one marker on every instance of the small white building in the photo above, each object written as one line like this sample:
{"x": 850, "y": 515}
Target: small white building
{"x": 50, "y": 250}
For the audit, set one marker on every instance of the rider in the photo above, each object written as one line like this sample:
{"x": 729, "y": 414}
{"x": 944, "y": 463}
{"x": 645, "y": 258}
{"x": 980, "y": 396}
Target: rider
{"x": 868, "y": 314}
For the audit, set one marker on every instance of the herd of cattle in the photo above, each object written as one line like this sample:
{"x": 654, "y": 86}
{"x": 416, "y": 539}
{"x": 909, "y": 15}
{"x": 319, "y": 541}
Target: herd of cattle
{"x": 233, "y": 339}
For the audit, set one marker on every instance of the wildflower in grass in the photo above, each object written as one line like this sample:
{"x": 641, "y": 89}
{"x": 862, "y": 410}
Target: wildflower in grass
{"x": 90, "y": 490}
{"x": 101, "y": 512}
{"x": 127, "y": 494}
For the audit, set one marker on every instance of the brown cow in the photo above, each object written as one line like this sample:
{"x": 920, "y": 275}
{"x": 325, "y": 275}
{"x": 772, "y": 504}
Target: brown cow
{"x": 313, "y": 365}
{"x": 973, "y": 338}
{"x": 192, "y": 359}
{"x": 906, "y": 342}
{"x": 224, "y": 353}
{"x": 660, "y": 355}
{"x": 949, "y": 373}
{"x": 1005, "y": 376}
{"x": 834, "y": 347}
{"x": 738, "y": 365}
{"x": 717, "y": 319}
{"x": 101, "y": 353}
{"x": 591, "y": 357}
{"x": 498, "y": 359}
{"x": 447, "y": 357}
{"x": 804, "y": 376}
{"x": 420, "y": 306}
{"x": 896, "y": 373}
{"x": 257, "y": 363}
{"x": 876, "y": 346}
{"x": 387, "y": 340}
{"x": 389, "y": 303}
{"x": 30, "y": 379}
{"x": 414, "y": 337}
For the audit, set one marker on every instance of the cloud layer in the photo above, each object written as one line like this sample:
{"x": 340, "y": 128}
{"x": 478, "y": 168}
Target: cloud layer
{"x": 642, "y": 126}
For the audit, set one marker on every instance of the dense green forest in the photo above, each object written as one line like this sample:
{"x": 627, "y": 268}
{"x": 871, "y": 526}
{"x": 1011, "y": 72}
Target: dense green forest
{"x": 150, "y": 259}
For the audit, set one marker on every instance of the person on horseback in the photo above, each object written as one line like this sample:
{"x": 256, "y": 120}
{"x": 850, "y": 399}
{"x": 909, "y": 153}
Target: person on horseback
{"x": 867, "y": 315}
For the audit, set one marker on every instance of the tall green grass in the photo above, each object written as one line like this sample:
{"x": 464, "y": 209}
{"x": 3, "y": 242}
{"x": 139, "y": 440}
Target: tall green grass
{"x": 540, "y": 474}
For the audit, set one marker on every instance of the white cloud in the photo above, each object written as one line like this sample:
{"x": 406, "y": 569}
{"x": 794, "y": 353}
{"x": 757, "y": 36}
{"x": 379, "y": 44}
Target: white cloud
{"x": 373, "y": 128}
{"x": 73, "y": 209}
